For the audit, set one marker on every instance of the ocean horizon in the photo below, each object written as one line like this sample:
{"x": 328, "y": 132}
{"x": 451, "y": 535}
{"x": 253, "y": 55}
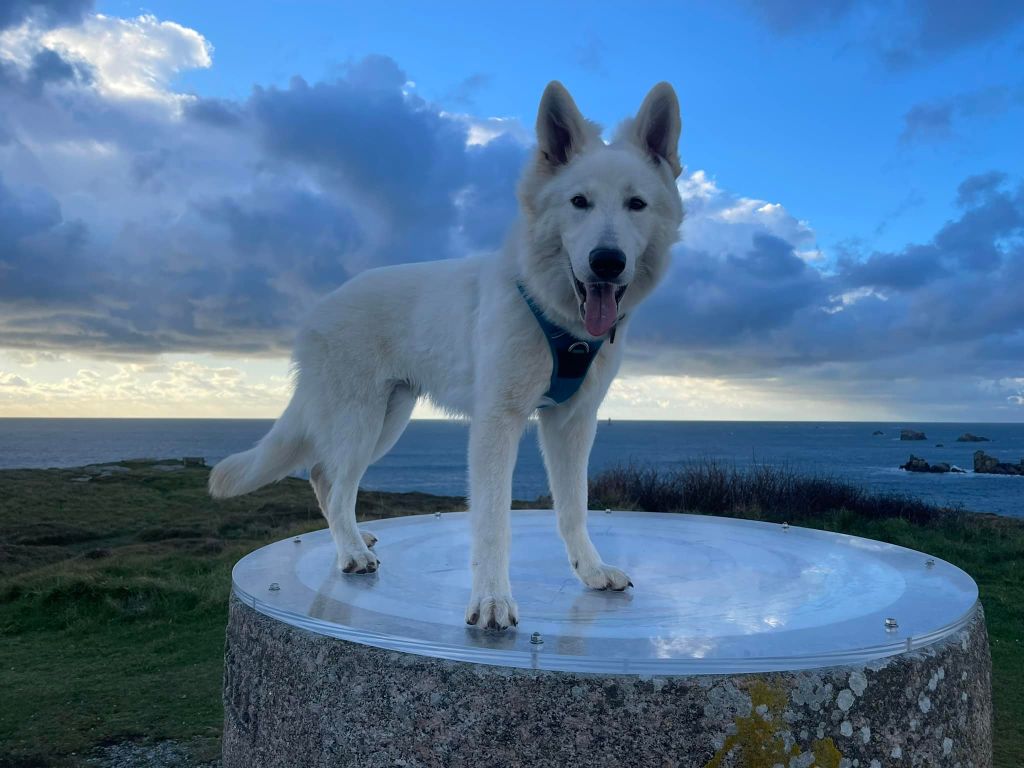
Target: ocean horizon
{"x": 431, "y": 455}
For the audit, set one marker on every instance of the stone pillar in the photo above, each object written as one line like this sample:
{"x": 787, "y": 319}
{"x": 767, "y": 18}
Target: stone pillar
{"x": 294, "y": 698}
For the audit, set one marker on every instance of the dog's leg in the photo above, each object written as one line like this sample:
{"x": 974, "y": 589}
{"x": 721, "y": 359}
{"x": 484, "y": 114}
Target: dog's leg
{"x": 346, "y": 455}
{"x": 322, "y": 491}
{"x": 493, "y": 445}
{"x": 566, "y": 437}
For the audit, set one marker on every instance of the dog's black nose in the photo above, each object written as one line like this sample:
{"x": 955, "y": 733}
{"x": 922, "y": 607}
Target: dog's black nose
{"x": 607, "y": 263}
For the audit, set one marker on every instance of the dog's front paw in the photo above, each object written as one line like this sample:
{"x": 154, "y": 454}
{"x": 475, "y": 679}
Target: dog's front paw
{"x": 601, "y": 576}
{"x": 492, "y": 611}
{"x": 358, "y": 562}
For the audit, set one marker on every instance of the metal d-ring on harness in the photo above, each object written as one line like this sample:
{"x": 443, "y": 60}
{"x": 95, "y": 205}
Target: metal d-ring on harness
{"x": 570, "y": 357}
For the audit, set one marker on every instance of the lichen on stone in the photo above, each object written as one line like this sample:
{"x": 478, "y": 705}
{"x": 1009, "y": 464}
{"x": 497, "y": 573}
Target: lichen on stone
{"x": 758, "y": 742}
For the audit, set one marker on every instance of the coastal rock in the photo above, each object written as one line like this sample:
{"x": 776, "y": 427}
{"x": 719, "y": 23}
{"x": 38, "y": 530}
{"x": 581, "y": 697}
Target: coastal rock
{"x": 878, "y": 432}
{"x": 990, "y": 465}
{"x": 911, "y": 434}
{"x": 916, "y": 464}
{"x": 967, "y": 437}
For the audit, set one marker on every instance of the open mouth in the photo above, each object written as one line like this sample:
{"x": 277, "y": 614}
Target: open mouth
{"x": 599, "y": 305}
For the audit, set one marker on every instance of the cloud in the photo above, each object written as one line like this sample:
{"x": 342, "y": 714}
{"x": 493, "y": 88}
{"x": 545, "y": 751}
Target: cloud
{"x": 934, "y": 121}
{"x": 464, "y": 93}
{"x": 795, "y": 16}
{"x": 137, "y": 220}
{"x": 132, "y": 58}
{"x": 133, "y": 389}
{"x": 943, "y": 315}
{"x": 590, "y": 55}
{"x": 901, "y": 34}
{"x": 45, "y": 13}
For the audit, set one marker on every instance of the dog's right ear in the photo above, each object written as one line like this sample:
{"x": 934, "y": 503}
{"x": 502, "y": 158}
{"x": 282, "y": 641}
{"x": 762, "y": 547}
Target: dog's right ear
{"x": 561, "y": 130}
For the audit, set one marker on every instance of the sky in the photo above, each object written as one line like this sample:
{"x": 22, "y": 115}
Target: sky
{"x": 181, "y": 181}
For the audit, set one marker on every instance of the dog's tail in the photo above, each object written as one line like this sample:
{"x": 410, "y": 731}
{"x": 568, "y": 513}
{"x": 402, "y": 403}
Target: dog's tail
{"x": 281, "y": 451}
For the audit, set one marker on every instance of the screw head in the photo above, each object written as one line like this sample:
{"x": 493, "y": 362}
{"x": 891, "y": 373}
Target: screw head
{"x": 297, "y": 540}
{"x": 607, "y": 511}
{"x": 785, "y": 526}
{"x": 536, "y": 638}
{"x": 437, "y": 514}
{"x": 891, "y": 624}
{"x": 929, "y": 563}
{"x": 274, "y": 586}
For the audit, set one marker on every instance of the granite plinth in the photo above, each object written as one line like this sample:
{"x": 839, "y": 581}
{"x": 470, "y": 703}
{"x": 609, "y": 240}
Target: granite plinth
{"x": 331, "y": 671}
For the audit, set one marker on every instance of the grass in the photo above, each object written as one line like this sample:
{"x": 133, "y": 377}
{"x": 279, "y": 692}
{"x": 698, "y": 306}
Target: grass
{"x": 113, "y": 592}
{"x": 113, "y": 597}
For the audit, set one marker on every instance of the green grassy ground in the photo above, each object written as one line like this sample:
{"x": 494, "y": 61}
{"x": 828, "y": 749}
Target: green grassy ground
{"x": 113, "y": 598}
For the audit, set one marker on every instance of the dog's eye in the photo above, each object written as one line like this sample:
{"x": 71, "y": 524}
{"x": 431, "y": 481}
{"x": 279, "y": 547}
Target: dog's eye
{"x": 579, "y": 201}
{"x": 636, "y": 204}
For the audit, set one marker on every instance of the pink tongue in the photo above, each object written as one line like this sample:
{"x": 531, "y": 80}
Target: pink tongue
{"x": 601, "y": 310}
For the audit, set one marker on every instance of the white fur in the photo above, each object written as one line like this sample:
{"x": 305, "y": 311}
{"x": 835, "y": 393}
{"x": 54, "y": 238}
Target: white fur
{"x": 458, "y": 332}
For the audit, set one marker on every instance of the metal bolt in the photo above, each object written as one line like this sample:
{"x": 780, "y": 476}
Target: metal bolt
{"x": 536, "y": 639}
{"x": 929, "y": 563}
{"x": 607, "y": 511}
{"x": 785, "y": 526}
{"x": 891, "y": 624}
{"x": 274, "y": 586}
{"x": 437, "y": 514}
{"x": 297, "y": 540}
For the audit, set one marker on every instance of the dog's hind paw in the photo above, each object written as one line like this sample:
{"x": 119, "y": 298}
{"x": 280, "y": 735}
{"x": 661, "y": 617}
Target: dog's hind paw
{"x": 601, "y": 576}
{"x": 368, "y": 538}
{"x": 492, "y": 612}
{"x": 362, "y": 562}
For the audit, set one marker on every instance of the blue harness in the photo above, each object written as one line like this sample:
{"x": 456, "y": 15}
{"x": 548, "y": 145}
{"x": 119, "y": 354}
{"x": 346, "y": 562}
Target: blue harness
{"x": 570, "y": 357}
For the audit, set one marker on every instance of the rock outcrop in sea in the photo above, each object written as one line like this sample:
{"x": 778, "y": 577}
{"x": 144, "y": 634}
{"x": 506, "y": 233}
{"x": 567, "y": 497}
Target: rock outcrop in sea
{"x": 990, "y": 465}
{"x": 911, "y": 434}
{"x": 916, "y": 464}
{"x": 967, "y": 437}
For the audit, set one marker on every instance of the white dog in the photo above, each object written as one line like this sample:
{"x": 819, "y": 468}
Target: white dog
{"x": 540, "y": 324}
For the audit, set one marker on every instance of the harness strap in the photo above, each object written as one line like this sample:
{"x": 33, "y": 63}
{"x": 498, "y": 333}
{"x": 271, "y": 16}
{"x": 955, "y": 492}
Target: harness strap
{"x": 570, "y": 357}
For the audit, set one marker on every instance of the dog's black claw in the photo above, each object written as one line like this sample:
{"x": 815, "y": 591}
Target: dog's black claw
{"x": 515, "y": 622}
{"x": 631, "y": 583}
{"x": 361, "y": 571}
{"x": 348, "y": 568}
{"x": 473, "y": 619}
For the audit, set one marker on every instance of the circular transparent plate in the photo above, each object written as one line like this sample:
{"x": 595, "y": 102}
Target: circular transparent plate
{"x": 713, "y": 595}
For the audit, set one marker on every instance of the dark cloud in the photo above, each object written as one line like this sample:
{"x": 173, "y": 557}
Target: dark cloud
{"x": 948, "y": 25}
{"x": 591, "y": 54}
{"x": 221, "y": 113}
{"x": 710, "y": 300}
{"x": 46, "y": 67}
{"x": 934, "y": 121}
{"x": 464, "y": 93}
{"x": 40, "y": 252}
{"x": 928, "y": 122}
{"x": 50, "y": 13}
{"x": 219, "y": 231}
{"x": 934, "y": 309}
{"x": 794, "y": 16}
{"x": 903, "y": 34}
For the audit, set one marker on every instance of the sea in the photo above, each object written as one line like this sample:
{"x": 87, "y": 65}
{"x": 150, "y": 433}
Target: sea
{"x": 431, "y": 455}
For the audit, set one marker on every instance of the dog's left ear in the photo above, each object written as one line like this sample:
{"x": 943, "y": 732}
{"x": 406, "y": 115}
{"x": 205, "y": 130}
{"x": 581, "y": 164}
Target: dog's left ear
{"x": 657, "y": 126}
